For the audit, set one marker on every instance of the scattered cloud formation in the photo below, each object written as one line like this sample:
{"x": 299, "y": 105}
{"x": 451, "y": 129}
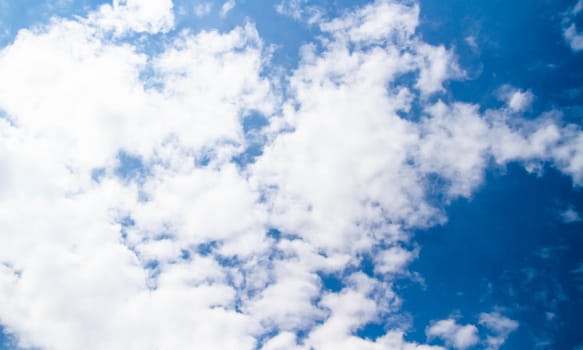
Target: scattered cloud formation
{"x": 457, "y": 336}
{"x": 150, "y": 232}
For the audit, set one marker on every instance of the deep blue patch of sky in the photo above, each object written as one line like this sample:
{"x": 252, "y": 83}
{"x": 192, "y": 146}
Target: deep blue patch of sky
{"x": 505, "y": 248}
{"x": 517, "y": 43}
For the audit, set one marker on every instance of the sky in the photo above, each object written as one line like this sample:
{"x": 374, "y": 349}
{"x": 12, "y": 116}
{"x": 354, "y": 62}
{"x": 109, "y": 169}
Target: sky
{"x": 291, "y": 175}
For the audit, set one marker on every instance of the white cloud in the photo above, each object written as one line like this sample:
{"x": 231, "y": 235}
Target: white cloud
{"x": 180, "y": 255}
{"x": 570, "y": 215}
{"x": 353, "y": 308}
{"x": 500, "y": 328}
{"x": 227, "y": 7}
{"x": 454, "y": 335}
{"x": 519, "y": 101}
{"x": 151, "y": 16}
{"x": 282, "y": 341}
{"x": 394, "y": 259}
{"x": 437, "y": 66}
{"x": 203, "y": 9}
{"x": 516, "y": 100}
{"x": 300, "y": 10}
{"x": 572, "y": 36}
{"x": 292, "y": 8}
{"x": 376, "y": 22}
{"x": 472, "y": 42}
{"x": 77, "y": 270}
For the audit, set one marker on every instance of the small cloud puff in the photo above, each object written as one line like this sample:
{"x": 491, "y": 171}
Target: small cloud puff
{"x": 515, "y": 99}
{"x": 499, "y": 326}
{"x": 227, "y": 7}
{"x": 570, "y": 215}
{"x": 472, "y": 42}
{"x": 453, "y": 334}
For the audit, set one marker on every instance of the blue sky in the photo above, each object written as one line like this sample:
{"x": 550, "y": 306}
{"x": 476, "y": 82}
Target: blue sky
{"x": 291, "y": 175}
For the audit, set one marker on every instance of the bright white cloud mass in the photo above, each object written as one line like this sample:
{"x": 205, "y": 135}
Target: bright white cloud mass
{"x": 134, "y": 217}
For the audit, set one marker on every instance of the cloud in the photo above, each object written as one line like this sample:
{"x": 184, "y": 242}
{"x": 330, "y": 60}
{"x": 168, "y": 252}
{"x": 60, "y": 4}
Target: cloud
{"x": 394, "y": 259}
{"x": 202, "y": 9}
{"x": 516, "y": 100}
{"x": 292, "y": 8}
{"x": 227, "y": 7}
{"x": 572, "y": 36}
{"x": 118, "y": 268}
{"x": 204, "y": 249}
{"x": 472, "y": 42}
{"x": 499, "y": 326}
{"x": 454, "y": 335}
{"x": 570, "y": 215}
{"x": 300, "y": 10}
{"x": 134, "y": 15}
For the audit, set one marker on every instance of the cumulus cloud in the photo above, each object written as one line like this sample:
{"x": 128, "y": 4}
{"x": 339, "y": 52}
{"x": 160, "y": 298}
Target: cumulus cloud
{"x": 125, "y": 268}
{"x": 515, "y": 99}
{"x": 199, "y": 247}
{"x": 135, "y": 15}
{"x": 394, "y": 259}
{"x": 499, "y": 326}
{"x": 455, "y": 335}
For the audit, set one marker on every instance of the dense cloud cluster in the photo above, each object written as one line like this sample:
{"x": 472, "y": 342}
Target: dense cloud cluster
{"x": 135, "y": 214}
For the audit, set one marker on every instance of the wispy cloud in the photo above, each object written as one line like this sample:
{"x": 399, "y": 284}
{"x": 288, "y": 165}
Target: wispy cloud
{"x": 227, "y": 7}
{"x": 202, "y": 9}
{"x": 570, "y": 215}
{"x": 570, "y": 32}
